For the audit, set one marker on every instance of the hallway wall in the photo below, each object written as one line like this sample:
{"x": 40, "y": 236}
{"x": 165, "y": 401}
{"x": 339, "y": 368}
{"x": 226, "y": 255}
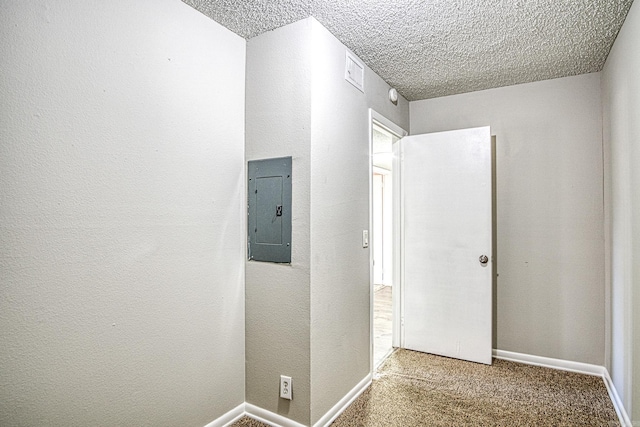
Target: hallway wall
{"x": 121, "y": 214}
{"x": 299, "y": 105}
{"x": 551, "y": 297}
{"x": 340, "y": 175}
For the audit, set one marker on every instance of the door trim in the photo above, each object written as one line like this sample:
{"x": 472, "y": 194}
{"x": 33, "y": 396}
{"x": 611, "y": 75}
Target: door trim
{"x": 380, "y": 120}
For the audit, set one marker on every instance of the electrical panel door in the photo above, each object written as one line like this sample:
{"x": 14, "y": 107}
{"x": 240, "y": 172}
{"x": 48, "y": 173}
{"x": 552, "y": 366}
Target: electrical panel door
{"x": 269, "y": 203}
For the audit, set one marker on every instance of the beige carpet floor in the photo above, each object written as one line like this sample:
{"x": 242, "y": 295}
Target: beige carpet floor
{"x": 417, "y": 389}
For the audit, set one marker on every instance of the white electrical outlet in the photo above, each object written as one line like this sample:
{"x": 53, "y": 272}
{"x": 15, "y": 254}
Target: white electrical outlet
{"x": 286, "y": 387}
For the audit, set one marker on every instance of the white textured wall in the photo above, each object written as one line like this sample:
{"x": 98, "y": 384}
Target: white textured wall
{"x": 121, "y": 214}
{"x": 277, "y": 295}
{"x": 550, "y": 236}
{"x": 621, "y": 104}
{"x": 340, "y": 174}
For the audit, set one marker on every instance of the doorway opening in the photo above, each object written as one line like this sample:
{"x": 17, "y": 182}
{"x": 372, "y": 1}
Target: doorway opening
{"x": 382, "y": 237}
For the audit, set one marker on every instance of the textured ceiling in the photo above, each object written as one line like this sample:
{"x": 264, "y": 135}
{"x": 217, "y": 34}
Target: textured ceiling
{"x": 431, "y": 48}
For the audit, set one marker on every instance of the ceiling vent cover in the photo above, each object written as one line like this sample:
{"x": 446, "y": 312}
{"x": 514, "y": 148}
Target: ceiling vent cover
{"x": 354, "y": 71}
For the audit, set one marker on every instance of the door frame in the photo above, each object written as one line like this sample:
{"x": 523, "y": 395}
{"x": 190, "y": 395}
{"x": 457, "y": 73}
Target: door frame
{"x": 378, "y": 119}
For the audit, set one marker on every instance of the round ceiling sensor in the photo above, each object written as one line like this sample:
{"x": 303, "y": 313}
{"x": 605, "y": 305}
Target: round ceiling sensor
{"x": 393, "y": 96}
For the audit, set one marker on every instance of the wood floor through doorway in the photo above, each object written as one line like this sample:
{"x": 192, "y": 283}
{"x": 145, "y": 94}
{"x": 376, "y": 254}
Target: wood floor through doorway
{"x": 418, "y": 389}
{"x": 382, "y": 323}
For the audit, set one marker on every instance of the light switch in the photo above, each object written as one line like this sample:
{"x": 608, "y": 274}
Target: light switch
{"x": 365, "y": 238}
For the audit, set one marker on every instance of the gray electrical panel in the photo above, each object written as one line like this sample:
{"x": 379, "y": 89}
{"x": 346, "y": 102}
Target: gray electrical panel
{"x": 269, "y": 203}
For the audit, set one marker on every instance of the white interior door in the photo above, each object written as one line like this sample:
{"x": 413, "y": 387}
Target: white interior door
{"x": 446, "y": 223}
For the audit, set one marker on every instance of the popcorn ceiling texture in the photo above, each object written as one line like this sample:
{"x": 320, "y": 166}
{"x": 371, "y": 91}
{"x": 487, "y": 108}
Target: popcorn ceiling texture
{"x": 427, "y": 49}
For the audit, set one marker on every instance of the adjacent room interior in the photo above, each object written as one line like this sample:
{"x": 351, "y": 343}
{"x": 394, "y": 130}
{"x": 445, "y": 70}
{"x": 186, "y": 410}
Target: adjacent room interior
{"x": 382, "y": 240}
{"x": 127, "y": 296}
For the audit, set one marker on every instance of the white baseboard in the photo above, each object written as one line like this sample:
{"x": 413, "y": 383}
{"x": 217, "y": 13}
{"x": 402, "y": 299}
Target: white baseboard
{"x": 548, "y": 362}
{"x": 268, "y": 417}
{"x": 343, "y": 403}
{"x": 617, "y": 402}
{"x": 229, "y": 418}
{"x": 567, "y": 365}
{"x": 276, "y": 420}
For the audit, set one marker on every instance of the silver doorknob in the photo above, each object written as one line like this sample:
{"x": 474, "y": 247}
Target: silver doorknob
{"x": 483, "y": 259}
